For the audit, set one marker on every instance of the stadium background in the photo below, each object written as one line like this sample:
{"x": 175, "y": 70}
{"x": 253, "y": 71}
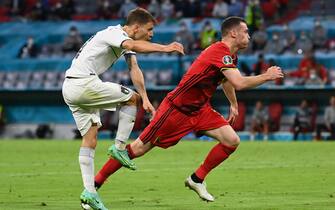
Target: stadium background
{"x": 283, "y": 31}
{"x": 274, "y": 175}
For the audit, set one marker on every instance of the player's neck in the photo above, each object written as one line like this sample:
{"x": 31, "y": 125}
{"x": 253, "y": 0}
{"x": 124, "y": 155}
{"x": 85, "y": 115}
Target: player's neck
{"x": 233, "y": 49}
{"x": 128, "y": 30}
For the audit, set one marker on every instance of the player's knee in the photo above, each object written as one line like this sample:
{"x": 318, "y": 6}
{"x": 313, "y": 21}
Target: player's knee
{"x": 135, "y": 100}
{"x": 234, "y": 141}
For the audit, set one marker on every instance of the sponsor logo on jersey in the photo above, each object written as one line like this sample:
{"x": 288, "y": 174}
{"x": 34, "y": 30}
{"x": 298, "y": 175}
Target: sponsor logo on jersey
{"x": 227, "y": 60}
{"x": 125, "y": 90}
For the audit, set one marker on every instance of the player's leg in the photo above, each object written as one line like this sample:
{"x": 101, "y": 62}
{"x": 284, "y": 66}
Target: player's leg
{"x": 212, "y": 124}
{"x": 228, "y": 142}
{"x": 135, "y": 150}
{"x": 163, "y": 131}
{"x": 86, "y": 161}
{"x": 127, "y": 116}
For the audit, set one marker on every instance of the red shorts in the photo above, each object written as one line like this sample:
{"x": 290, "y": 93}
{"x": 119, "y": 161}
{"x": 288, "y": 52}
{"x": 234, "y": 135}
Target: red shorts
{"x": 170, "y": 125}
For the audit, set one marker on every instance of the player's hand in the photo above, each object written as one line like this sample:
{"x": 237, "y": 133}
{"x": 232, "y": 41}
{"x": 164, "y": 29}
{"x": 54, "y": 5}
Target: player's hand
{"x": 274, "y": 72}
{"x": 233, "y": 113}
{"x": 175, "y": 47}
{"x": 149, "y": 108}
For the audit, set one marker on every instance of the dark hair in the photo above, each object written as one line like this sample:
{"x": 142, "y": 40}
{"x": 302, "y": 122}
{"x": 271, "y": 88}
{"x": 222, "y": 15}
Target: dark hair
{"x": 140, "y": 16}
{"x": 230, "y": 23}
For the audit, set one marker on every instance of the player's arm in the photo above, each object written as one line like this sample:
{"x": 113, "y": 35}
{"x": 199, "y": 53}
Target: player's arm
{"x": 148, "y": 47}
{"x": 137, "y": 78}
{"x": 229, "y": 91}
{"x": 240, "y": 82}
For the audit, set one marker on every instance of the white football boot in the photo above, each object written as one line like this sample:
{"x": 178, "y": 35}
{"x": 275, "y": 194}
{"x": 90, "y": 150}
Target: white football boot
{"x": 200, "y": 189}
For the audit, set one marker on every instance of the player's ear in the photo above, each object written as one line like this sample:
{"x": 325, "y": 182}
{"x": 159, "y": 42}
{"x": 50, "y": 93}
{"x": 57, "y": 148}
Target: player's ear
{"x": 233, "y": 33}
{"x": 136, "y": 27}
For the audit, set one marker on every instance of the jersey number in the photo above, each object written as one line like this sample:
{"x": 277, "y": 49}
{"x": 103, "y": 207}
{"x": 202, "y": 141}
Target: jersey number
{"x": 82, "y": 47}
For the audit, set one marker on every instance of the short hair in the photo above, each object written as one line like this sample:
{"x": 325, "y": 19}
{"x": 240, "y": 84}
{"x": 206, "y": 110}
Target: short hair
{"x": 140, "y": 16}
{"x": 230, "y": 23}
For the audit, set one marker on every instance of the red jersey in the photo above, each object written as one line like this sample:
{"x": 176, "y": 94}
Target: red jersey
{"x": 202, "y": 78}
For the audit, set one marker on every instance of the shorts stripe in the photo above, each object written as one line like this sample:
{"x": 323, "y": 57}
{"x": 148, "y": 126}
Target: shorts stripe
{"x": 157, "y": 125}
{"x": 189, "y": 83}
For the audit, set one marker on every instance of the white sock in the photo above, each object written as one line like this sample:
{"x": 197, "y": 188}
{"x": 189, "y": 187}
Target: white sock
{"x": 86, "y": 162}
{"x": 127, "y": 116}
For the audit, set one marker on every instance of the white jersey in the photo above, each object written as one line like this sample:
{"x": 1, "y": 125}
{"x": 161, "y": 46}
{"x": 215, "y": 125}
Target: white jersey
{"x": 99, "y": 52}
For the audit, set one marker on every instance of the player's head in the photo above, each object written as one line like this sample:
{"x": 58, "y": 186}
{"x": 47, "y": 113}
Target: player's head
{"x": 142, "y": 23}
{"x": 236, "y": 29}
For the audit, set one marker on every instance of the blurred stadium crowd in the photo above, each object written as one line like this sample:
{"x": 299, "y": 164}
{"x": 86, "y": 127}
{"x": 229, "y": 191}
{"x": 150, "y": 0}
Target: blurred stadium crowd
{"x": 40, "y": 37}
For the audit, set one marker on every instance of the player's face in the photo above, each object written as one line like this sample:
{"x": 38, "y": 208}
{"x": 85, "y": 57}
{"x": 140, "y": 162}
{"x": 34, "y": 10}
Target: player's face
{"x": 242, "y": 36}
{"x": 145, "y": 32}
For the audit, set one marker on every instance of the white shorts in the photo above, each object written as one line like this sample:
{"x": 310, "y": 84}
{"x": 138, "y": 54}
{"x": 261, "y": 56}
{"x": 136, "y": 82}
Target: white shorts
{"x": 86, "y": 96}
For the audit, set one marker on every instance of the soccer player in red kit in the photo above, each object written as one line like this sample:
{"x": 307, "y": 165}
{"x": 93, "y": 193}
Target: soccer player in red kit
{"x": 187, "y": 108}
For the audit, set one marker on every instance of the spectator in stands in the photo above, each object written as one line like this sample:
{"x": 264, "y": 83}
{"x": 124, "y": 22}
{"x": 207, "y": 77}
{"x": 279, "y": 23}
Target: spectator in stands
{"x": 260, "y": 121}
{"x": 235, "y": 8}
{"x": 185, "y": 37}
{"x": 38, "y": 12}
{"x": 208, "y": 35}
{"x": 29, "y": 49}
{"x": 180, "y": 7}
{"x": 192, "y": 9}
{"x": 126, "y": 7}
{"x": 302, "y": 119}
{"x": 245, "y": 69}
{"x": 63, "y": 10}
{"x": 104, "y": 10}
{"x": 314, "y": 78}
{"x": 17, "y": 7}
{"x": 303, "y": 70}
{"x": 207, "y": 8}
{"x": 253, "y": 15}
{"x": 72, "y": 41}
{"x": 275, "y": 45}
{"x": 261, "y": 66}
{"x": 259, "y": 39}
{"x": 289, "y": 38}
{"x": 330, "y": 44}
{"x": 220, "y": 9}
{"x": 270, "y": 10}
{"x": 167, "y": 9}
{"x": 303, "y": 44}
{"x": 319, "y": 36}
{"x": 154, "y": 8}
{"x": 329, "y": 121}
{"x": 307, "y": 65}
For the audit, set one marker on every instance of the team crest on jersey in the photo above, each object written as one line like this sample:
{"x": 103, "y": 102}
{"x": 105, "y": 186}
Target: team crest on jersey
{"x": 227, "y": 60}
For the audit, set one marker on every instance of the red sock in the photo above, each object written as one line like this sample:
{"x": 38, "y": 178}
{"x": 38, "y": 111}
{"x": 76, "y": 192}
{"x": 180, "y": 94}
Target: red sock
{"x": 216, "y": 156}
{"x": 110, "y": 167}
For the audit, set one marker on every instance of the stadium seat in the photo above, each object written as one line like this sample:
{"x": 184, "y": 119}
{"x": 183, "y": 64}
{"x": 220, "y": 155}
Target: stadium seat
{"x": 150, "y": 77}
{"x": 165, "y": 77}
{"x": 275, "y": 113}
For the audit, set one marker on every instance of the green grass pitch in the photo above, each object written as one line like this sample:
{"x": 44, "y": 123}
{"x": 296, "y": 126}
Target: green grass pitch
{"x": 36, "y": 174}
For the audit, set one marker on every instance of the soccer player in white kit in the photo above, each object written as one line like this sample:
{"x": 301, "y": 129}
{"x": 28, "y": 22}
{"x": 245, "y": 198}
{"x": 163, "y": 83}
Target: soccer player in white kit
{"x": 86, "y": 94}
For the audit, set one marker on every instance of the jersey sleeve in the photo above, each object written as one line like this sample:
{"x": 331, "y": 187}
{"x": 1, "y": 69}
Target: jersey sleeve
{"x": 129, "y": 52}
{"x": 115, "y": 37}
{"x": 222, "y": 59}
